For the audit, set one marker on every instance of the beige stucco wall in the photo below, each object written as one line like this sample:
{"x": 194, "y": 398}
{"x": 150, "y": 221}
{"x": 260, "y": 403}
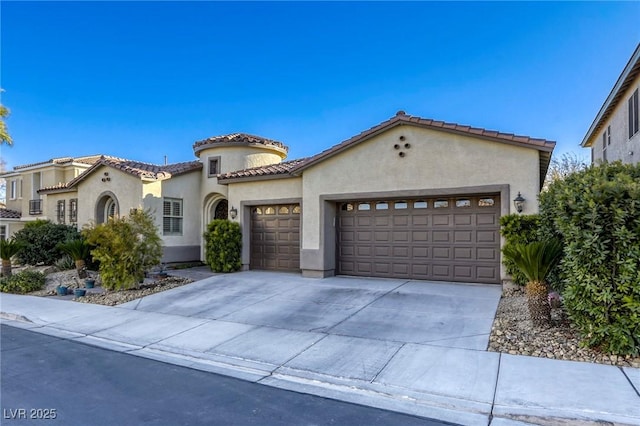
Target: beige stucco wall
{"x": 184, "y": 187}
{"x": 435, "y": 160}
{"x": 126, "y": 188}
{"x": 621, "y": 147}
{"x": 232, "y": 158}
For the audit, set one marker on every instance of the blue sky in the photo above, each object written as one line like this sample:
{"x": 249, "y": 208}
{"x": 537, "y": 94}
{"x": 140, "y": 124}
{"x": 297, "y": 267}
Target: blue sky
{"x": 144, "y": 80}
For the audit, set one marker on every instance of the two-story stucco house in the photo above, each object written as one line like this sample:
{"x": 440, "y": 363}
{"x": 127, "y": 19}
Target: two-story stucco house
{"x": 407, "y": 198}
{"x": 615, "y": 132}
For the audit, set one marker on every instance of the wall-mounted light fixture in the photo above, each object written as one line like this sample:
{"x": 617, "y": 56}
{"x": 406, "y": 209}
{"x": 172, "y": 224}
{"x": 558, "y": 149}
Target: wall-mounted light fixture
{"x": 518, "y": 202}
{"x": 233, "y": 213}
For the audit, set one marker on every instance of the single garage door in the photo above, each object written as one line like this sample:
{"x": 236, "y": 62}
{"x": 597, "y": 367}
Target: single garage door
{"x": 275, "y": 237}
{"x": 445, "y": 238}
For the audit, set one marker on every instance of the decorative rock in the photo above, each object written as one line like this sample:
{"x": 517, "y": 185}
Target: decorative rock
{"x": 513, "y": 333}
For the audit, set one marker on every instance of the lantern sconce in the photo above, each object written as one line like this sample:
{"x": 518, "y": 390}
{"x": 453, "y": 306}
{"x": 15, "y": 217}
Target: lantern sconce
{"x": 233, "y": 213}
{"x": 518, "y": 202}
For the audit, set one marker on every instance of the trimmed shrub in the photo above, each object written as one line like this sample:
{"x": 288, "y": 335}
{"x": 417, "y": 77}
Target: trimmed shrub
{"x": 22, "y": 282}
{"x": 223, "y": 245}
{"x": 518, "y": 229}
{"x": 125, "y": 247}
{"x": 597, "y": 214}
{"x": 40, "y": 240}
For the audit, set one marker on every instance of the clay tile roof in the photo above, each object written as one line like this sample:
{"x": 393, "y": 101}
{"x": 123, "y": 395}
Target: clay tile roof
{"x": 142, "y": 170}
{"x": 90, "y": 159}
{"x": 270, "y": 170}
{"x": 9, "y": 214}
{"x": 545, "y": 147}
{"x": 240, "y": 139}
{"x": 401, "y": 117}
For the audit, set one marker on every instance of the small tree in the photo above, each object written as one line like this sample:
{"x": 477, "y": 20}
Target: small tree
{"x": 5, "y": 138}
{"x": 535, "y": 260}
{"x": 223, "y": 245}
{"x": 125, "y": 248}
{"x": 8, "y": 249}
{"x": 78, "y": 249}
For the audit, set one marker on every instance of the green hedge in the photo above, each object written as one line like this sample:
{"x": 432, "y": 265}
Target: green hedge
{"x": 596, "y": 212}
{"x": 223, "y": 245}
{"x": 40, "y": 240}
{"x": 518, "y": 229}
{"x": 22, "y": 282}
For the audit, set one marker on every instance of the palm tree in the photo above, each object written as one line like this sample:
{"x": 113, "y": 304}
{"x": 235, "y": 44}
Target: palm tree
{"x": 535, "y": 260}
{"x": 79, "y": 250}
{"x": 8, "y": 249}
{"x": 4, "y": 133}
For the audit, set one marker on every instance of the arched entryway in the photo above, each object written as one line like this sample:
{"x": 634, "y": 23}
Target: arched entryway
{"x": 215, "y": 206}
{"x": 106, "y": 207}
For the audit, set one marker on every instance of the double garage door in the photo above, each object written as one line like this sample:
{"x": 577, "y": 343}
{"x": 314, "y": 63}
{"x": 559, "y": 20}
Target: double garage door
{"x": 275, "y": 237}
{"x": 445, "y": 238}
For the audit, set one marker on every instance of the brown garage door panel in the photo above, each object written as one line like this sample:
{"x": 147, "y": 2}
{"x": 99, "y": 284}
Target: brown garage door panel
{"x": 458, "y": 242}
{"x": 275, "y": 237}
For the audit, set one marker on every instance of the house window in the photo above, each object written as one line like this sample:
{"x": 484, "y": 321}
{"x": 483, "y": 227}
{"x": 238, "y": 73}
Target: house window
{"x": 606, "y": 141}
{"x": 172, "y": 216}
{"x": 73, "y": 210}
{"x": 3, "y": 232}
{"x": 61, "y": 205}
{"x": 13, "y": 189}
{"x": 634, "y": 114}
{"x": 214, "y": 166}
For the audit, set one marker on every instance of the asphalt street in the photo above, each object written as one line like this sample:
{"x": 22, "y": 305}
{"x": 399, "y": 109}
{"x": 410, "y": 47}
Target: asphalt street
{"x": 52, "y": 381}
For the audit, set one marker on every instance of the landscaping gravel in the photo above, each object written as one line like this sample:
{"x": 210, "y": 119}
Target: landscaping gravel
{"x": 514, "y": 333}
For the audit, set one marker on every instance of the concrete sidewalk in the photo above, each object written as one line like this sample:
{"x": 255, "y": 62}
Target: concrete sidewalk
{"x": 456, "y": 384}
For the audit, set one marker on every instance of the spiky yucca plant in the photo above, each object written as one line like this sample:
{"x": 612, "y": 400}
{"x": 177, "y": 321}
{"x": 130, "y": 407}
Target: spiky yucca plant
{"x": 535, "y": 260}
{"x": 8, "y": 249}
{"x": 79, "y": 250}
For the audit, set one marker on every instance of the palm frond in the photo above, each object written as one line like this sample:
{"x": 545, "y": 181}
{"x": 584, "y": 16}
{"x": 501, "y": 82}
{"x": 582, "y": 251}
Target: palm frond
{"x": 535, "y": 260}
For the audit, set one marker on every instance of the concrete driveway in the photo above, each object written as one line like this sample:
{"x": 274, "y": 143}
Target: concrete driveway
{"x": 408, "y": 346}
{"x": 391, "y": 311}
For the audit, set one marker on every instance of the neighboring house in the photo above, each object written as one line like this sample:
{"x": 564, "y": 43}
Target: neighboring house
{"x": 409, "y": 198}
{"x": 615, "y": 132}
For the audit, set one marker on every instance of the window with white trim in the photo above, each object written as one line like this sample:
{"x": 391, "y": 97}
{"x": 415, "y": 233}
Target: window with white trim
{"x": 13, "y": 189}
{"x": 634, "y": 115}
{"x": 606, "y": 141}
{"x": 3, "y": 232}
{"x": 172, "y": 216}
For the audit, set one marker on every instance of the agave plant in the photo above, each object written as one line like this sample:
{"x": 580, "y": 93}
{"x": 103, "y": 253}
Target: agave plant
{"x": 535, "y": 260}
{"x": 79, "y": 250}
{"x": 8, "y": 249}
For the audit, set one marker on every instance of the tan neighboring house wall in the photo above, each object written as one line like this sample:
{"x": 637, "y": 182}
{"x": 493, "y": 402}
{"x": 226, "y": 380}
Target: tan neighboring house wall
{"x": 614, "y": 134}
